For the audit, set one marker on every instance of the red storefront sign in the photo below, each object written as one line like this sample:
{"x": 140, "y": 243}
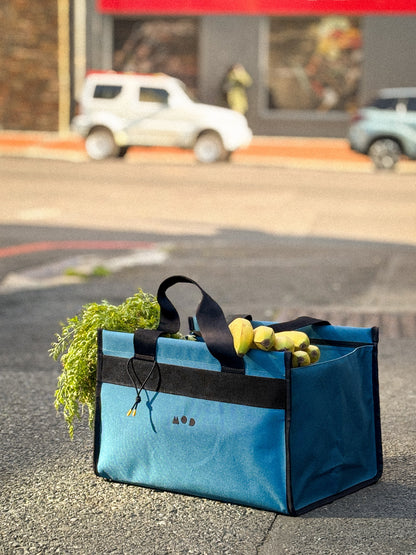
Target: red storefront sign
{"x": 256, "y": 7}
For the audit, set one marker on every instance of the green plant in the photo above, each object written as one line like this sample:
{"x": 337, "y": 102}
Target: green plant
{"x": 100, "y": 271}
{"x": 97, "y": 271}
{"x": 76, "y": 348}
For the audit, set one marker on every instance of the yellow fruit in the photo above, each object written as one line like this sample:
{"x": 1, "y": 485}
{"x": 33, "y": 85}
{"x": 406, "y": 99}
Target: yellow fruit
{"x": 314, "y": 353}
{"x": 283, "y": 342}
{"x": 300, "y": 358}
{"x": 299, "y": 338}
{"x": 242, "y": 332}
{"x": 263, "y": 338}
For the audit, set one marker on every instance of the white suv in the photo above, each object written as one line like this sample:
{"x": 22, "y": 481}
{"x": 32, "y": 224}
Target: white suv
{"x": 118, "y": 110}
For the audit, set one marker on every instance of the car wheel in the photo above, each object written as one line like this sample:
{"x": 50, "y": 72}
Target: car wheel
{"x": 100, "y": 144}
{"x": 385, "y": 153}
{"x": 209, "y": 148}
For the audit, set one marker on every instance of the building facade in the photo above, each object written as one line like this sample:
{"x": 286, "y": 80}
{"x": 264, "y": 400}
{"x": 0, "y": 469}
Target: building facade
{"x": 29, "y": 72}
{"x": 312, "y": 62}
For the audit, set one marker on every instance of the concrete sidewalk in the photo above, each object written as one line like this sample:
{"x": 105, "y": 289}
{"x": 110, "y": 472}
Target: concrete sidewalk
{"x": 289, "y": 150}
{"x": 306, "y": 152}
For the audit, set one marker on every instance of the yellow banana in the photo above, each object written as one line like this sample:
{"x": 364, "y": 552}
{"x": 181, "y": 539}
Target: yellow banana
{"x": 314, "y": 353}
{"x": 300, "y": 339}
{"x": 242, "y": 332}
{"x": 283, "y": 342}
{"x": 263, "y": 338}
{"x": 300, "y": 358}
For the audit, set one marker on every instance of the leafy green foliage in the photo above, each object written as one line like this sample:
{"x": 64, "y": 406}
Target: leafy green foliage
{"x": 97, "y": 271}
{"x": 76, "y": 348}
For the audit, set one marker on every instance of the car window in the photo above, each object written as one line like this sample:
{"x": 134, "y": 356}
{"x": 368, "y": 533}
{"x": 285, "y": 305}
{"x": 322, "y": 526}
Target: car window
{"x": 107, "y": 91}
{"x": 150, "y": 94}
{"x": 411, "y": 105}
{"x": 384, "y": 103}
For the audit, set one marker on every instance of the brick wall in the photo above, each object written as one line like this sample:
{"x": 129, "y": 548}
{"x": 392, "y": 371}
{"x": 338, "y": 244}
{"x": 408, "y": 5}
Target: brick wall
{"x": 29, "y": 65}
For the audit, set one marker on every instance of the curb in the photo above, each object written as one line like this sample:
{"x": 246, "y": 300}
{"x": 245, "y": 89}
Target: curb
{"x": 69, "y": 146}
{"x": 315, "y": 153}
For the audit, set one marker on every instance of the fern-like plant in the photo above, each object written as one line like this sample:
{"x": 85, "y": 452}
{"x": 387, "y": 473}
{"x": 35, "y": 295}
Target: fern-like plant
{"x": 76, "y": 348}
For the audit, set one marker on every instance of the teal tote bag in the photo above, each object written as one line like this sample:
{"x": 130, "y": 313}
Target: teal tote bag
{"x": 249, "y": 430}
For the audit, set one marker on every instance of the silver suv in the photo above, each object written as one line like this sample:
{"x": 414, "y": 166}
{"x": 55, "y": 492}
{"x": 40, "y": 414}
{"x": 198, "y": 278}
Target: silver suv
{"x": 118, "y": 110}
{"x": 385, "y": 129}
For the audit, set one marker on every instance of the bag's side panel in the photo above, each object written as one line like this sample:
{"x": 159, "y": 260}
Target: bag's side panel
{"x": 223, "y": 451}
{"x": 333, "y": 433}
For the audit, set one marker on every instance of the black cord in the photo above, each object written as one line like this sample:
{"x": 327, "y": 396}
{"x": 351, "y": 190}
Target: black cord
{"x": 135, "y": 380}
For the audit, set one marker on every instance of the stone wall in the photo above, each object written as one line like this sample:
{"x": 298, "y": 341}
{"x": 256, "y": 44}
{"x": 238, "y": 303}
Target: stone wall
{"x": 29, "y": 92}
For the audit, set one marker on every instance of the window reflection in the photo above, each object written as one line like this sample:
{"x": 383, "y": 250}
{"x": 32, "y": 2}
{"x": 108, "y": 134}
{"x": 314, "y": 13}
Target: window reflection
{"x": 315, "y": 63}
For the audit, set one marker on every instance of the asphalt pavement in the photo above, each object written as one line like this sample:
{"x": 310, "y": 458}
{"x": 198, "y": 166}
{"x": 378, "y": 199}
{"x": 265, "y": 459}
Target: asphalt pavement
{"x": 50, "y": 499}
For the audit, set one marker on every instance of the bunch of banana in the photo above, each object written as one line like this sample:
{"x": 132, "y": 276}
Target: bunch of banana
{"x": 303, "y": 353}
{"x": 265, "y": 338}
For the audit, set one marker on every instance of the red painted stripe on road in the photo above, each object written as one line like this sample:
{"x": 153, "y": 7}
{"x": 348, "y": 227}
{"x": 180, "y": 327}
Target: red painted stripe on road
{"x": 27, "y": 248}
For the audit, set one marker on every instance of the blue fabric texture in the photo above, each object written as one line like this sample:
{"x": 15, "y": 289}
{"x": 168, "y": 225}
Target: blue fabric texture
{"x": 332, "y": 440}
{"x": 194, "y": 446}
{"x": 325, "y": 444}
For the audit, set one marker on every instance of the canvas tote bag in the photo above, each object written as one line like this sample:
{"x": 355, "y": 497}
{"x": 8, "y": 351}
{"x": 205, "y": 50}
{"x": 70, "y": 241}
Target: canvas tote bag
{"x": 250, "y": 430}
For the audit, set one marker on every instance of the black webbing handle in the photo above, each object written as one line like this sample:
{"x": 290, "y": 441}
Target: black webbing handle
{"x": 297, "y": 323}
{"x": 211, "y": 321}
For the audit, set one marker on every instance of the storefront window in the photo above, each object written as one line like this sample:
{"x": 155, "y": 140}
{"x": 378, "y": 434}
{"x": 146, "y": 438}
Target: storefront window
{"x": 314, "y": 63}
{"x": 157, "y": 44}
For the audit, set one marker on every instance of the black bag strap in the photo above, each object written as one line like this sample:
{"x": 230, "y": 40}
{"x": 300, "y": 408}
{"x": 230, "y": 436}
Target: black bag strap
{"x": 193, "y": 324}
{"x": 297, "y": 323}
{"x": 145, "y": 343}
{"x": 211, "y": 321}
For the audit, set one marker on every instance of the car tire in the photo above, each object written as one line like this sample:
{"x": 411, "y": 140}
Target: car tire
{"x": 100, "y": 144}
{"x": 209, "y": 148}
{"x": 385, "y": 153}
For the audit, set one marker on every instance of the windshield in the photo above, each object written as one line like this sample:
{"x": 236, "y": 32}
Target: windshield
{"x": 383, "y": 103}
